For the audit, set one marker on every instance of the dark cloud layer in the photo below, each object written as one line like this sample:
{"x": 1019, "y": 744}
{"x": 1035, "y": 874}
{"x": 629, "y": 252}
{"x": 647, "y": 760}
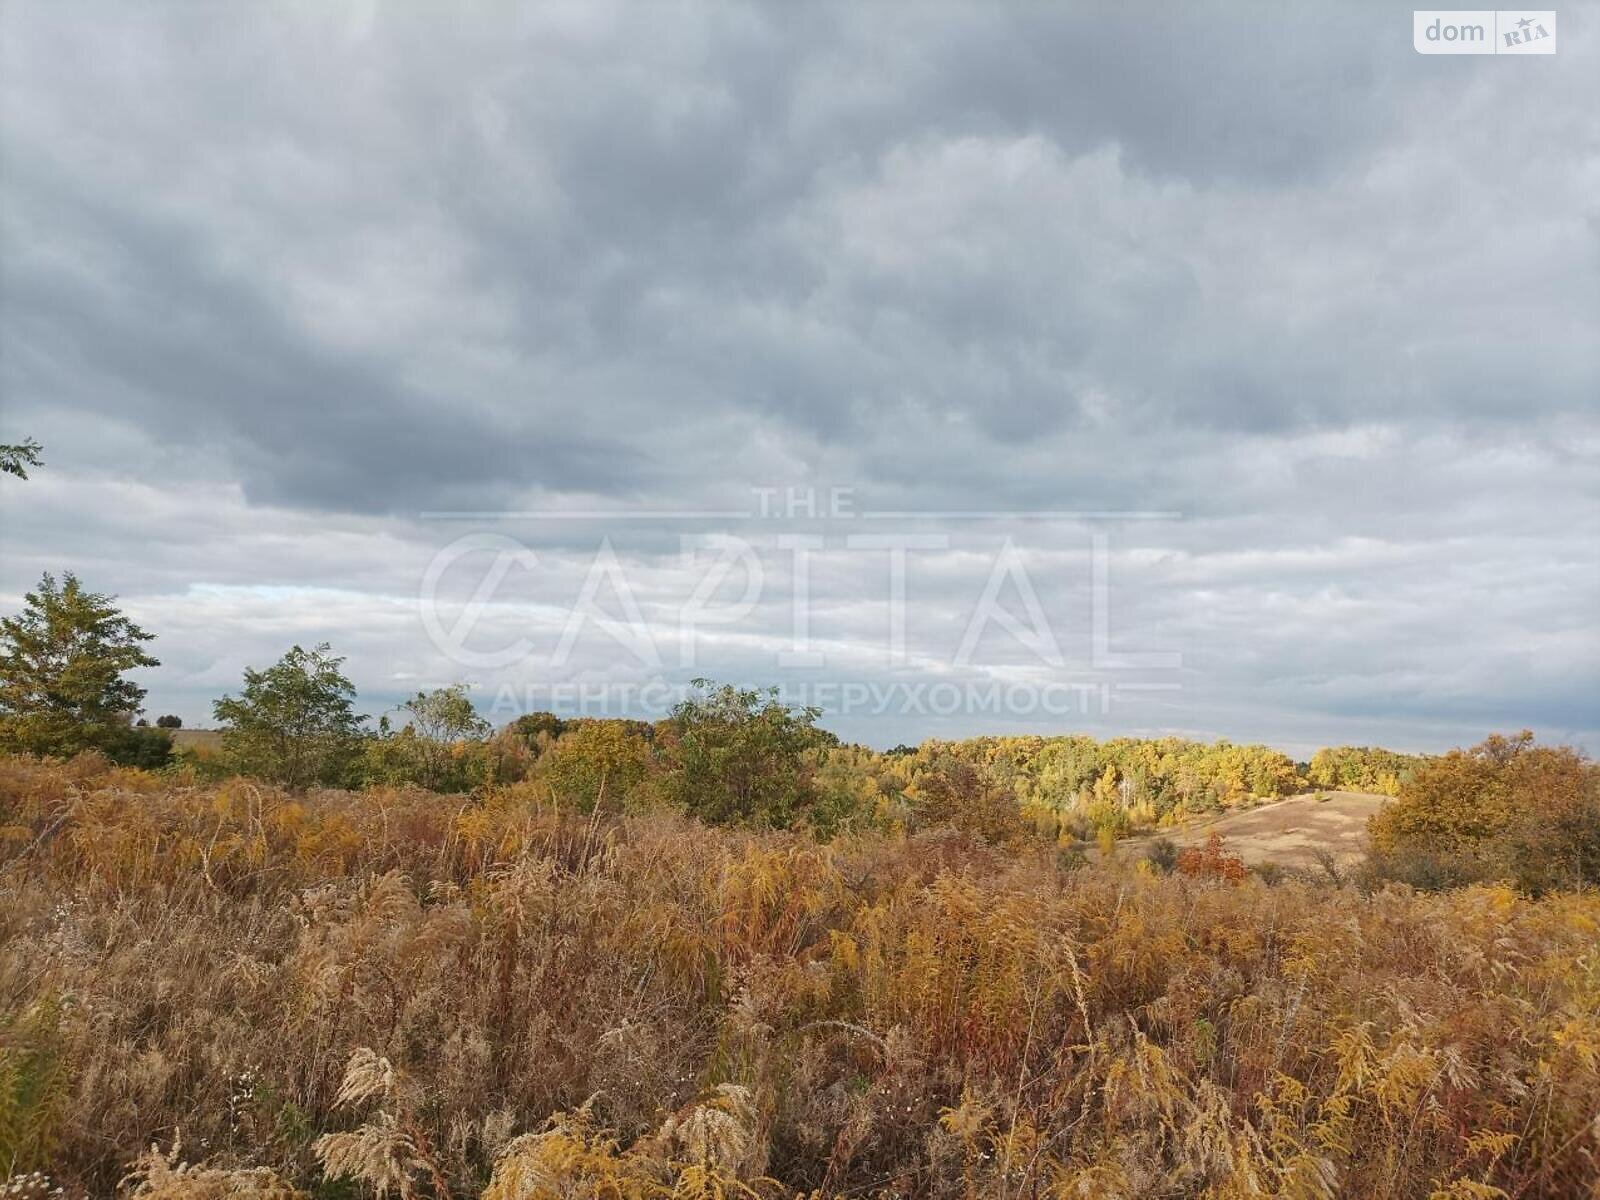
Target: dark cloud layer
{"x": 274, "y": 281}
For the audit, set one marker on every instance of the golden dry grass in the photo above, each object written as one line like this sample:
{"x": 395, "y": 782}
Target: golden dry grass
{"x": 230, "y": 991}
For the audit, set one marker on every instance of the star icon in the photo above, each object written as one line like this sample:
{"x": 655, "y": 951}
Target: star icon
{"x": 1524, "y": 23}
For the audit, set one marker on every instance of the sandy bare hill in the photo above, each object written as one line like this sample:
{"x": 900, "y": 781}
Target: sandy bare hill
{"x": 1289, "y": 832}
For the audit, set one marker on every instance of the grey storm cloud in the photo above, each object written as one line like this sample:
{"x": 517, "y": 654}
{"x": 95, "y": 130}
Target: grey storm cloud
{"x": 276, "y": 280}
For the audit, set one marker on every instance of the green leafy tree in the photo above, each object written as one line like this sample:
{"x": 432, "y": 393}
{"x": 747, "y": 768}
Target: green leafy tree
{"x": 444, "y": 715}
{"x": 294, "y": 722}
{"x": 62, "y": 686}
{"x": 15, "y": 460}
{"x": 169, "y": 722}
{"x": 739, "y": 756}
{"x": 439, "y": 746}
{"x": 537, "y": 730}
{"x": 851, "y": 791}
{"x": 1362, "y": 769}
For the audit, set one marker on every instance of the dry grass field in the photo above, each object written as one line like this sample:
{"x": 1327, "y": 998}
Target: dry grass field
{"x": 233, "y": 990}
{"x": 197, "y": 739}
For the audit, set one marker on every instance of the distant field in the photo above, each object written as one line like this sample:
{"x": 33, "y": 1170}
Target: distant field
{"x": 1290, "y": 832}
{"x": 197, "y": 739}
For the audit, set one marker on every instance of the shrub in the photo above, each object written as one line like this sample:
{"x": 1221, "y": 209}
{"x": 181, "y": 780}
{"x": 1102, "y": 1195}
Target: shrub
{"x": 1416, "y": 867}
{"x": 1162, "y": 854}
{"x": 738, "y": 757}
{"x": 954, "y": 792}
{"x": 598, "y": 763}
{"x": 440, "y": 747}
{"x": 131, "y": 746}
{"x": 1270, "y": 873}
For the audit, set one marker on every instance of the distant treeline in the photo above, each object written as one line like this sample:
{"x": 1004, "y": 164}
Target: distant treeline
{"x": 726, "y": 755}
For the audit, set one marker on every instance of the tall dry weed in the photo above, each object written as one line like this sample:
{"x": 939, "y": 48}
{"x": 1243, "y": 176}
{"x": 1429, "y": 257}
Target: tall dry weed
{"x": 412, "y": 995}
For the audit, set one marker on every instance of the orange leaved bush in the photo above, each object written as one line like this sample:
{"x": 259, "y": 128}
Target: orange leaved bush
{"x": 1505, "y": 809}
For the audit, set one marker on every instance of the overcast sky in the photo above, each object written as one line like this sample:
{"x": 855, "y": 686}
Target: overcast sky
{"x": 278, "y": 280}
